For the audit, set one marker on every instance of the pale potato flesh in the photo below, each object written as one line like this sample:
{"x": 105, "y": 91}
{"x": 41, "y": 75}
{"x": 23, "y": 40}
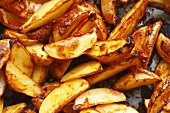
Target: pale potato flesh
{"x": 17, "y": 108}
{"x": 97, "y": 96}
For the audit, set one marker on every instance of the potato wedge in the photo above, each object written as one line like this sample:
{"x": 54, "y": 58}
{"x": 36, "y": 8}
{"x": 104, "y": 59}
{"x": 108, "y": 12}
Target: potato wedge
{"x": 162, "y": 46}
{"x": 59, "y": 67}
{"x": 2, "y": 82}
{"x": 89, "y": 110}
{"x": 39, "y": 56}
{"x": 23, "y": 63}
{"x": 129, "y": 21}
{"x": 111, "y": 70}
{"x": 20, "y": 82}
{"x": 136, "y": 79}
{"x": 71, "y": 47}
{"x": 1, "y": 104}
{"x": 62, "y": 95}
{"x": 82, "y": 70}
{"x": 4, "y": 51}
{"x": 167, "y": 107}
{"x": 97, "y": 96}
{"x": 115, "y": 108}
{"x": 10, "y": 20}
{"x": 17, "y": 108}
{"x": 17, "y": 7}
{"x": 46, "y": 13}
{"x": 39, "y": 74}
{"x": 109, "y": 10}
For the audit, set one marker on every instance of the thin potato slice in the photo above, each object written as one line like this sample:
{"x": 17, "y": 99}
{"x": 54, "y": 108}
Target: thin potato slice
{"x": 129, "y": 21}
{"x": 97, "y": 96}
{"x": 20, "y": 82}
{"x": 136, "y": 79}
{"x": 89, "y": 110}
{"x": 115, "y": 108}
{"x": 2, "y": 82}
{"x": 82, "y": 70}
{"x": 109, "y": 10}
{"x": 59, "y": 67}
{"x": 1, "y": 104}
{"x": 46, "y": 13}
{"x": 162, "y": 46}
{"x": 39, "y": 74}
{"x": 71, "y": 47}
{"x": 39, "y": 56}
{"x": 23, "y": 63}
{"x": 4, "y": 51}
{"x": 17, "y": 108}
{"x": 62, "y": 95}
{"x": 111, "y": 70}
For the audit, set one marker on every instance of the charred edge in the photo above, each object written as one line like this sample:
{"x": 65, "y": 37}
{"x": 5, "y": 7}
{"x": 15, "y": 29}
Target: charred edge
{"x": 120, "y": 51}
{"x": 129, "y": 40}
{"x": 91, "y": 16}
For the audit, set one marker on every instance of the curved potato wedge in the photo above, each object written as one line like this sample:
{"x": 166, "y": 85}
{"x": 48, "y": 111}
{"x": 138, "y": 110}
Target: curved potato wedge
{"x": 115, "y": 108}
{"x": 62, "y": 95}
{"x": 17, "y": 108}
{"x": 46, "y": 13}
{"x": 129, "y": 21}
{"x": 136, "y": 79}
{"x": 11, "y": 20}
{"x": 4, "y": 51}
{"x": 39, "y": 56}
{"x": 82, "y": 70}
{"x": 71, "y": 47}
{"x": 20, "y": 82}
{"x": 109, "y": 10}
{"x": 162, "y": 46}
{"x": 2, "y": 82}
{"x": 23, "y": 63}
{"x": 89, "y": 110}
{"x": 97, "y": 96}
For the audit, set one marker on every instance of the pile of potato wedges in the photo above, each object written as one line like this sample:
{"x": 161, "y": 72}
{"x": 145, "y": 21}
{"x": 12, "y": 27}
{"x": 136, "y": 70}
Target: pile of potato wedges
{"x": 55, "y": 54}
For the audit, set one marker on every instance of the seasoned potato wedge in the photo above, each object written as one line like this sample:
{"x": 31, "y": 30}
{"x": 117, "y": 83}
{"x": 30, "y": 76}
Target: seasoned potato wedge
{"x": 1, "y": 104}
{"x": 39, "y": 74}
{"x": 4, "y": 51}
{"x": 62, "y": 95}
{"x": 109, "y": 10}
{"x": 59, "y": 67}
{"x": 111, "y": 70}
{"x": 2, "y": 82}
{"x": 97, "y": 96}
{"x": 115, "y": 108}
{"x": 17, "y": 108}
{"x": 82, "y": 70}
{"x": 17, "y": 7}
{"x": 23, "y": 63}
{"x": 71, "y": 47}
{"x": 162, "y": 46}
{"x": 145, "y": 39}
{"x": 136, "y": 79}
{"x": 46, "y": 13}
{"x": 39, "y": 56}
{"x": 20, "y": 82}
{"x": 10, "y": 20}
{"x": 129, "y": 21}
{"x": 89, "y": 110}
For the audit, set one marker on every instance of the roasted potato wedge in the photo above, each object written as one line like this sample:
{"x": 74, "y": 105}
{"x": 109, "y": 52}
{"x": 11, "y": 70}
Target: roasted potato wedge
{"x": 20, "y": 82}
{"x": 17, "y": 108}
{"x": 82, "y": 70}
{"x": 115, "y": 108}
{"x": 23, "y": 63}
{"x": 104, "y": 96}
{"x": 162, "y": 46}
{"x": 62, "y": 95}
{"x": 71, "y": 47}
{"x": 39, "y": 74}
{"x": 167, "y": 107}
{"x": 89, "y": 110}
{"x": 39, "y": 56}
{"x": 59, "y": 67}
{"x": 1, "y": 104}
{"x": 109, "y": 10}
{"x": 46, "y": 13}
{"x": 4, "y": 51}
{"x": 2, "y": 82}
{"x": 11, "y": 20}
{"x": 129, "y": 21}
{"x": 136, "y": 79}
{"x": 19, "y": 8}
